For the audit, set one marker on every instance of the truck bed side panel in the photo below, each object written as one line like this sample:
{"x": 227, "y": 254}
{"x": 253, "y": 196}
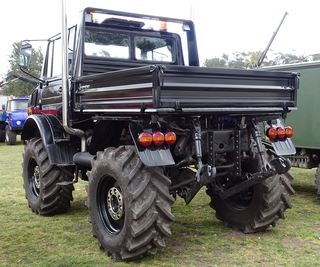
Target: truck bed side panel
{"x": 204, "y": 87}
{"x": 187, "y": 87}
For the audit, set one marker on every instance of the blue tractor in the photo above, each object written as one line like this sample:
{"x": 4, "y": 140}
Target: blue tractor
{"x": 12, "y": 118}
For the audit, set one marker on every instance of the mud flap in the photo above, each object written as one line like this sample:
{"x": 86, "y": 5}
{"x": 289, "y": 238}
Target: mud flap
{"x": 282, "y": 147}
{"x": 153, "y": 155}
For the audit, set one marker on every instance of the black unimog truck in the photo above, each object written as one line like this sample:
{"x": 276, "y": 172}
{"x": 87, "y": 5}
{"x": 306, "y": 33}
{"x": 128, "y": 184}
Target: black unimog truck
{"x": 123, "y": 104}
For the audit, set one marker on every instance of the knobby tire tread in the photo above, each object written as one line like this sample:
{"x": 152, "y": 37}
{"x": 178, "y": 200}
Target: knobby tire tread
{"x": 52, "y": 199}
{"x": 271, "y": 199}
{"x": 147, "y": 206}
{"x": 10, "y": 136}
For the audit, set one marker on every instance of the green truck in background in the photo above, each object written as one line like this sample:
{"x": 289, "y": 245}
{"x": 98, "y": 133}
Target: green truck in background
{"x": 306, "y": 120}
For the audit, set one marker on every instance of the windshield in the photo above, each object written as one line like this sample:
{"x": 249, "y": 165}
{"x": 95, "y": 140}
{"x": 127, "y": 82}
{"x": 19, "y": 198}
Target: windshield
{"x": 19, "y": 105}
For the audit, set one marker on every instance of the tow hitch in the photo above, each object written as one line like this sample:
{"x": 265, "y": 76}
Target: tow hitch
{"x": 280, "y": 166}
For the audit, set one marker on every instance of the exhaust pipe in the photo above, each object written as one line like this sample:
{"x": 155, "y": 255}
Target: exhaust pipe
{"x": 65, "y": 82}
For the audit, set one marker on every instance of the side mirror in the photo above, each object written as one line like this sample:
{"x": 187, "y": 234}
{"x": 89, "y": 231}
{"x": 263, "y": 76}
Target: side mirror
{"x": 3, "y": 107}
{"x": 25, "y": 55}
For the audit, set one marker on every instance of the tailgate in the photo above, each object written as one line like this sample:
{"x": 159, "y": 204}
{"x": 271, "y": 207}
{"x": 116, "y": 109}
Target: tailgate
{"x": 158, "y": 88}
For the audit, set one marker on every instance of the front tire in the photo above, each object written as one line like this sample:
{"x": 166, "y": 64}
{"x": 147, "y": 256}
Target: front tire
{"x": 11, "y": 136}
{"x": 129, "y": 204}
{"x": 40, "y": 181}
{"x": 258, "y": 207}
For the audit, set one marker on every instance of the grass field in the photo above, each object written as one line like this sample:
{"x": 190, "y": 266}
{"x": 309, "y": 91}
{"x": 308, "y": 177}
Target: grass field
{"x": 198, "y": 239}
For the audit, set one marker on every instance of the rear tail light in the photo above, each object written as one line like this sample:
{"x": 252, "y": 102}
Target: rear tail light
{"x": 272, "y": 133}
{"x": 289, "y": 131}
{"x": 280, "y": 132}
{"x": 145, "y": 139}
{"x": 157, "y": 138}
{"x": 170, "y": 138}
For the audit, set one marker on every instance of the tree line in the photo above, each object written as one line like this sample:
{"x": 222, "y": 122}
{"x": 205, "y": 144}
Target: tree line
{"x": 247, "y": 60}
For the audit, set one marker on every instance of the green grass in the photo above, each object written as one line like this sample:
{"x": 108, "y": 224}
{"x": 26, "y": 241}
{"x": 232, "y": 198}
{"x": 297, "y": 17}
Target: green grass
{"x": 198, "y": 239}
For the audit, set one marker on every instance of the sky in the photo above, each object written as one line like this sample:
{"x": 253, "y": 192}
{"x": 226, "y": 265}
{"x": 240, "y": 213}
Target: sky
{"x": 221, "y": 26}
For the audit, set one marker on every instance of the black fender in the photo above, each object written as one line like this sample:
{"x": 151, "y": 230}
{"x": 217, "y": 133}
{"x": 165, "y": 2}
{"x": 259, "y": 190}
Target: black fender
{"x": 4, "y": 124}
{"x": 56, "y": 141}
{"x": 151, "y": 156}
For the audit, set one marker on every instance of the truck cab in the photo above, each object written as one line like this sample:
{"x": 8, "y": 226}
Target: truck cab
{"x": 12, "y": 118}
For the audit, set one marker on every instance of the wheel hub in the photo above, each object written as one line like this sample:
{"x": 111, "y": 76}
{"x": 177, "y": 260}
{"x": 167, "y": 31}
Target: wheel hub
{"x": 115, "y": 203}
{"x": 36, "y": 176}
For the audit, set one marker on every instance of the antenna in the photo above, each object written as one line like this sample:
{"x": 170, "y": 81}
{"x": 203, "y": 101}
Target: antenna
{"x": 264, "y": 53}
{"x": 192, "y": 12}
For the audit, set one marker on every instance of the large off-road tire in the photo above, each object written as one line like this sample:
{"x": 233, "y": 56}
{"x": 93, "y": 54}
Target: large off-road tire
{"x": 40, "y": 181}
{"x": 129, "y": 204}
{"x": 11, "y": 136}
{"x": 2, "y": 136}
{"x": 258, "y": 207}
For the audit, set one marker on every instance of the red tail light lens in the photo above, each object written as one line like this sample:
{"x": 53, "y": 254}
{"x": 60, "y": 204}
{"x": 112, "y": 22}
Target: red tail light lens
{"x": 272, "y": 133}
{"x": 145, "y": 139}
{"x": 158, "y": 138}
{"x": 170, "y": 138}
{"x": 281, "y": 132}
{"x": 289, "y": 131}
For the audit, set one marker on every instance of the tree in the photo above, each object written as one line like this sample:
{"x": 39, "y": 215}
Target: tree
{"x": 238, "y": 60}
{"x": 288, "y": 58}
{"x": 316, "y": 57}
{"x": 248, "y": 60}
{"x": 217, "y": 62}
{"x": 17, "y": 87}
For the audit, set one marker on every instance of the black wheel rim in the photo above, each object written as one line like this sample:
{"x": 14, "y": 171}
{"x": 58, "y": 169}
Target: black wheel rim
{"x": 110, "y": 205}
{"x": 241, "y": 200}
{"x": 34, "y": 178}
